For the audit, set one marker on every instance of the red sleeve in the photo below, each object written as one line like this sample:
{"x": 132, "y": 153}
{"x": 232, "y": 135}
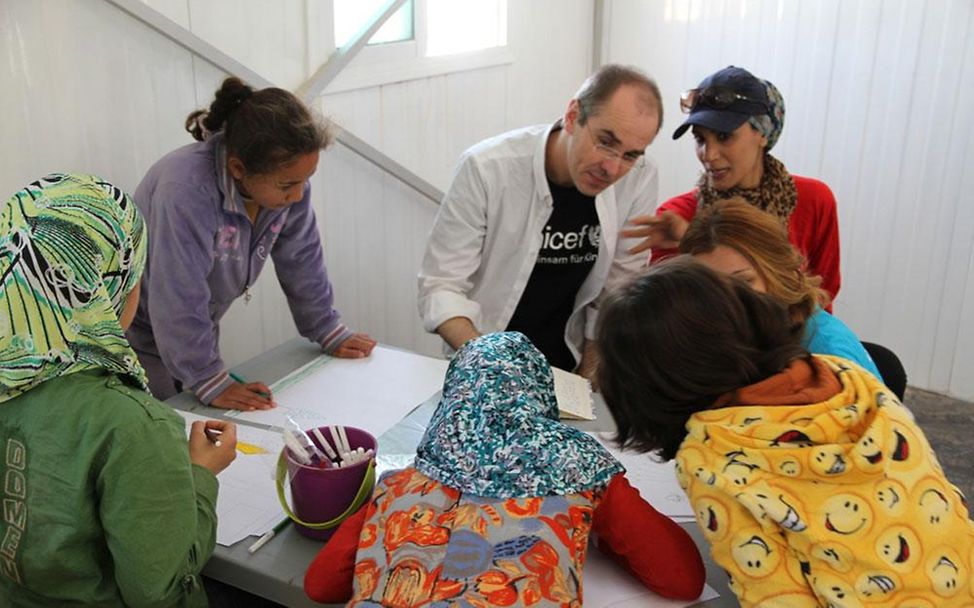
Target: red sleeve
{"x": 330, "y": 576}
{"x": 684, "y": 205}
{"x": 819, "y": 230}
{"x": 651, "y": 547}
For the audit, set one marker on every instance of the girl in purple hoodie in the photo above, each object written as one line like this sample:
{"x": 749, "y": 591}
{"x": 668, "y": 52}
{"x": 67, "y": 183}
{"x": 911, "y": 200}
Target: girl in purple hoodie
{"x": 216, "y": 209}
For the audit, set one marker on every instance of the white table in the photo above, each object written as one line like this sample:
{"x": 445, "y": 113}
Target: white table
{"x": 276, "y": 572}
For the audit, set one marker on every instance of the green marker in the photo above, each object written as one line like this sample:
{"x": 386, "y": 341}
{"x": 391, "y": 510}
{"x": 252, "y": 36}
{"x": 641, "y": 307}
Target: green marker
{"x": 240, "y": 379}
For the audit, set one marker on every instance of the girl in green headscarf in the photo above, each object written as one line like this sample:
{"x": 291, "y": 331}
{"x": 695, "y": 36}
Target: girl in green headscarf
{"x": 103, "y": 503}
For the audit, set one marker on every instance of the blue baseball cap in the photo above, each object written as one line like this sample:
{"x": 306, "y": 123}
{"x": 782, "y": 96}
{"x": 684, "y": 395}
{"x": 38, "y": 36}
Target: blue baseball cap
{"x": 724, "y": 101}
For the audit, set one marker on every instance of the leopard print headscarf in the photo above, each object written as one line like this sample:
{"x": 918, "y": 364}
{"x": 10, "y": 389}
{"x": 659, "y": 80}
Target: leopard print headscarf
{"x": 776, "y": 194}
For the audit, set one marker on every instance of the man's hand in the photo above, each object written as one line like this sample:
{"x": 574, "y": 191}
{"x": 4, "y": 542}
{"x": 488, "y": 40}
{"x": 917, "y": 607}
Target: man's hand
{"x": 663, "y": 231}
{"x": 356, "y": 346}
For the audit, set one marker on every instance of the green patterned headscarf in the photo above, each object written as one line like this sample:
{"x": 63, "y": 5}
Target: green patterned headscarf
{"x": 72, "y": 247}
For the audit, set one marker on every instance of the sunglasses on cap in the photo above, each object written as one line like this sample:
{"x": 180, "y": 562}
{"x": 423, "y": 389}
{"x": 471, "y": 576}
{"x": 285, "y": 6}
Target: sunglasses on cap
{"x": 717, "y": 98}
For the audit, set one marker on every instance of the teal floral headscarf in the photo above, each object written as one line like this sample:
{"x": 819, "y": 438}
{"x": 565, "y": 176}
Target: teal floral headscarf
{"x": 496, "y": 431}
{"x": 72, "y": 247}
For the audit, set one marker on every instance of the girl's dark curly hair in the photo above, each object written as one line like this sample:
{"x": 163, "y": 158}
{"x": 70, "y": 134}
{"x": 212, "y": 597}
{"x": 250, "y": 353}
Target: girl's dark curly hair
{"x": 264, "y": 129}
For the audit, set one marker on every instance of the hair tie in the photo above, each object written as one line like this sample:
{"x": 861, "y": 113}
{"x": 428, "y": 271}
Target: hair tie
{"x": 244, "y": 96}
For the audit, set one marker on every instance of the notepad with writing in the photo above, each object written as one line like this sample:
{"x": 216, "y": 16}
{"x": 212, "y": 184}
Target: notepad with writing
{"x": 574, "y": 395}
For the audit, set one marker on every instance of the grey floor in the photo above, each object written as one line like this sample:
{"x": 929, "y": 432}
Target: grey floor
{"x": 949, "y": 426}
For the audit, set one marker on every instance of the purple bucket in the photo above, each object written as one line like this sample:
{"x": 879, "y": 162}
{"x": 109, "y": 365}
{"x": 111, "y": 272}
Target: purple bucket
{"x": 322, "y": 496}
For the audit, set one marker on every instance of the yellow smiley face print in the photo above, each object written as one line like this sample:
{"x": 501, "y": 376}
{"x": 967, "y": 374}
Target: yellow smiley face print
{"x": 876, "y": 584}
{"x": 790, "y": 466}
{"x": 899, "y": 547}
{"x": 933, "y": 502}
{"x": 754, "y": 554}
{"x": 847, "y": 514}
{"x": 867, "y": 453}
{"x": 836, "y": 591}
{"x": 712, "y": 518}
{"x": 891, "y": 497}
{"x": 836, "y": 555}
{"x": 946, "y": 571}
{"x": 828, "y": 461}
{"x": 784, "y": 509}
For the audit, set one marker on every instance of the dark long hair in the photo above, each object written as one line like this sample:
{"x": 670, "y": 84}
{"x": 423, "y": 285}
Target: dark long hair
{"x": 675, "y": 340}
{"x": 264, "y": 129}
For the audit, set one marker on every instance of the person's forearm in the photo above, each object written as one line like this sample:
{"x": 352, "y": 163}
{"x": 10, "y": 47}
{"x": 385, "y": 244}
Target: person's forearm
{"x": 589, "y": 363}
{"x": 456, "y": 331}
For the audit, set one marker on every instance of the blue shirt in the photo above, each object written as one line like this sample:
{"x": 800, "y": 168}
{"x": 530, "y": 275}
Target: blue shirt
{"x": 828, "y": 335}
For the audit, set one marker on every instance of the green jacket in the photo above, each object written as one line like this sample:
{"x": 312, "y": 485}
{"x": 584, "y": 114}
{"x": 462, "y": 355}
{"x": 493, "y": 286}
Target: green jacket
{"x": 101, "y": 505}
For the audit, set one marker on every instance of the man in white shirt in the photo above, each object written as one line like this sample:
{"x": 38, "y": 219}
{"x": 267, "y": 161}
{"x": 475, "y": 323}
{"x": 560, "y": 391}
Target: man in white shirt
{"x": 527, "y": 237}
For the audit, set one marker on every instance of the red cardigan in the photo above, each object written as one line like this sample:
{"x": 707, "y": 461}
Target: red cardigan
{"x": 650, "y": 546}
{"x": 813, "y": 228}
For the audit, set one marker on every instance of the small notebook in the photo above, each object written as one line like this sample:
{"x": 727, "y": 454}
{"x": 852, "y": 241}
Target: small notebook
{"x": 574, "y": 395}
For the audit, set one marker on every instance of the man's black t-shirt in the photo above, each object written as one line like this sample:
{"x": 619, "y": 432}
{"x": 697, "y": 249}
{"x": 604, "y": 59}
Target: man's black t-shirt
{"x": 569, "y": 248}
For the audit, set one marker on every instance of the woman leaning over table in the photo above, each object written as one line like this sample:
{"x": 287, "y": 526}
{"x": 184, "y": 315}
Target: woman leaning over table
{"x": 736, "y": 119}
{"x": 216, "y": 209}
{"x": 103, "y": 503}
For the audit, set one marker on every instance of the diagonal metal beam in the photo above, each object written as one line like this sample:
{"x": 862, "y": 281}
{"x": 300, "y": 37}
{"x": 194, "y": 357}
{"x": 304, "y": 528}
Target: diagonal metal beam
{"x": 387, "y": 164}
{"x": 341, "y": 57}
{"x": 214, "y": 56}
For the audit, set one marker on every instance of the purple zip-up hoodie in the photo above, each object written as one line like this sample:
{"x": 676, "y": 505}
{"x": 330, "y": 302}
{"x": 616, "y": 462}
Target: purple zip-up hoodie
{"x": 204, "y": 253}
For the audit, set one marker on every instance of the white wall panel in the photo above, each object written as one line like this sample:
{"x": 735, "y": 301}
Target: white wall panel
{"x": 269, "y": 36}
{"x": 878, "y": 95}
{"x": 426, "y": 124}
{"x": 82, "y": 88}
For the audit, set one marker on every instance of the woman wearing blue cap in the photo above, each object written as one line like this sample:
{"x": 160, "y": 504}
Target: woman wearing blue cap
{"x": 736, "y": 118}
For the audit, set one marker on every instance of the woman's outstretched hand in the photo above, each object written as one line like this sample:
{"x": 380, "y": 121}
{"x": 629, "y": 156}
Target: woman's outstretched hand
{"x": 664, "y": 231}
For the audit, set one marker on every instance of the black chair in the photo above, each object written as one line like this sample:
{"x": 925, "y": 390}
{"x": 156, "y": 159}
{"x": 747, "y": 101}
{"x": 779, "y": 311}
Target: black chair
{"x": 889, "y": 367}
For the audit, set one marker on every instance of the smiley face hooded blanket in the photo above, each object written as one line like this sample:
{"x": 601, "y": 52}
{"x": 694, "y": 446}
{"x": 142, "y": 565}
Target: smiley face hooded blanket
{"x": 815, "y": 487}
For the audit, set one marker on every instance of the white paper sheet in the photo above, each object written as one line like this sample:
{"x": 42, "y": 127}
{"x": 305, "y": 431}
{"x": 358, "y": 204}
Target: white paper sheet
{"x": 607, "y": 585}
{"x": 371, "y": 394}
{"x": 247, "y": 501}
{"x": 656, "y": 481}
{"x": 574, "y": 395}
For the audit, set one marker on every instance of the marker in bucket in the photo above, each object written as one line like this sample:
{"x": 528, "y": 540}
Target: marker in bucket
{"x": 296, "y": 448}
{"x": 339, "y": 447}
{"x": 324, "y": 444}
{"x": 297, "y": 433}
{"x": 344, "y": 437}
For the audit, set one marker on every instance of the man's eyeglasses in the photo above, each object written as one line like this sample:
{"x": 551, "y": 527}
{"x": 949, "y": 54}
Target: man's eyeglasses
{"x": 718, "y": 98}
{"x": 607, "y": 152}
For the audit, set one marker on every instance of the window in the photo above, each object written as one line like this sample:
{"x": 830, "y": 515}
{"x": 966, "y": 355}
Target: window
{"x": 423, "y": 38}
{"x": 459, "y": 26}
{"x": 352, "y": 15}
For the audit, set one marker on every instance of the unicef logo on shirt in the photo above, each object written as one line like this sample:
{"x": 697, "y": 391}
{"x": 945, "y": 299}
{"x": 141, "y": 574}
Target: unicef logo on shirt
{"x": 566, "y": 247}
{"x": 569, "y": 241}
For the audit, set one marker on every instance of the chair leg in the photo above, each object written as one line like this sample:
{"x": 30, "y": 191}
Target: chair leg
{"x": 889, "y": 365}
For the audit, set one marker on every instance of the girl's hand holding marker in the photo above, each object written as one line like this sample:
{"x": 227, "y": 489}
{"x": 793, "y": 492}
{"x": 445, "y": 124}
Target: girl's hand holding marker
{"x": 212, "y": 444}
